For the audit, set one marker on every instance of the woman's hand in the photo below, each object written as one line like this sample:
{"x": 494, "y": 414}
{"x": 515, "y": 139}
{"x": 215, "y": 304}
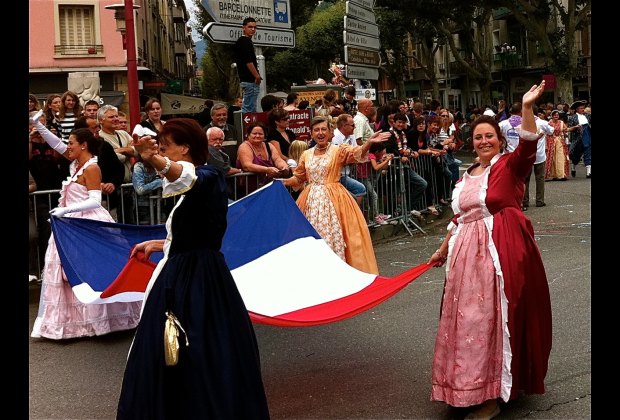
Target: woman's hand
{"x": 148, "y": 247}
{"x": 534, "y": 93}
{"x": 437, "y": 259}
{"x": 379, "y": 136}
{"x": 146, "y": 146}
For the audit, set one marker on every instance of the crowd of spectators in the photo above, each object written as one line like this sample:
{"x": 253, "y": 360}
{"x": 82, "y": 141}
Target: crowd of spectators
{"x": 424, "y": 140}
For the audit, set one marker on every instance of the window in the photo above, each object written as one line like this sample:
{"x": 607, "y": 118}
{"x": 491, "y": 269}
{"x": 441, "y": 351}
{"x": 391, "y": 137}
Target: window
{"x": 76, "y": 30}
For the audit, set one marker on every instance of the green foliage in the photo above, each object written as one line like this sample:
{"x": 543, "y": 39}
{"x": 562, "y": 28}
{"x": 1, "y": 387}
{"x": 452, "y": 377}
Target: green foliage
{"x": 318, "y": 43}
{"x": 285, "y": 68}
{"x": 216, "y": 65}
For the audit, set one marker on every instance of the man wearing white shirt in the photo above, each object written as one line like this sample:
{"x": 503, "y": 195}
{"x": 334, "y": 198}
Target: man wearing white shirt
{"x": 343, "y": 134}
{"x": 539, "y": 165}
{"x": 362, "y": 128}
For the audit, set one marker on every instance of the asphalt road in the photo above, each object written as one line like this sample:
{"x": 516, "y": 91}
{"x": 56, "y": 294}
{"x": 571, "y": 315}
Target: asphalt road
{"x": 377, "y": 364}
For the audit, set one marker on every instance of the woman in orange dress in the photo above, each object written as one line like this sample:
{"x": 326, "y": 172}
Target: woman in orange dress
{"x": 556, "y": 167}
{"x": 326, "y": 203}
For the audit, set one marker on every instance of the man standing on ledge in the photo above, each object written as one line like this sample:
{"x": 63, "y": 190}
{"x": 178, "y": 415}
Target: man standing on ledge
{"x": 247, "y": 66}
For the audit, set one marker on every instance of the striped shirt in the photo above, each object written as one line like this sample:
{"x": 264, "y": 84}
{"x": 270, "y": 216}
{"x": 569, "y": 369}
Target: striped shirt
{"x": 66, "y": 125}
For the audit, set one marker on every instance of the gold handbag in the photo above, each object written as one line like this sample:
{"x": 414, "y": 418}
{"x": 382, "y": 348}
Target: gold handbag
{"x": 171, "y": 339}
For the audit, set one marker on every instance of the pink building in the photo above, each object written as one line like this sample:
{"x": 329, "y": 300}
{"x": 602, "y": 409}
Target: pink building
{"x": 68, "y": 36}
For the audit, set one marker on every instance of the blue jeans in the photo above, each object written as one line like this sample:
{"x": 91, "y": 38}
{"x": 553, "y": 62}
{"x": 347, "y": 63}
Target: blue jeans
{"x": 356, "y": 188}
{"x": 250, "y": 95}
{"x": 417, "y": 186}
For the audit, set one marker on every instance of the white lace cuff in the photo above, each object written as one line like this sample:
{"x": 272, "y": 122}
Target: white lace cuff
{"x": 527, "y": 135}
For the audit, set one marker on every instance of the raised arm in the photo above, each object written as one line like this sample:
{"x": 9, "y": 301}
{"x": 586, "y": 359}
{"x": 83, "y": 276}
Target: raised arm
{"x": 53, "y": 141}
{"x": 528, "y": 122}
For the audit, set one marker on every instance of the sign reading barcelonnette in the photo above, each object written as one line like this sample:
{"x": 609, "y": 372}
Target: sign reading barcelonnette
{"x": 268, "y": 13}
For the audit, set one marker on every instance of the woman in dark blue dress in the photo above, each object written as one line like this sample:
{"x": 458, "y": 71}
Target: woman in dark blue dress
{"x": 218, "y": 373}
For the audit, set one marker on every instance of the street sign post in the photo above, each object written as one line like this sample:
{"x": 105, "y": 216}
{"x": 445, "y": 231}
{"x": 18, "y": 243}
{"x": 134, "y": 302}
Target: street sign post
{"x": 228, "y": 33}
{"x": 366, "y": 73}
{"x": 360, "y": 27}
{"x": 362, "y": 57}
{"x": 268, "y": 13}
{"x": 360, "y": 40}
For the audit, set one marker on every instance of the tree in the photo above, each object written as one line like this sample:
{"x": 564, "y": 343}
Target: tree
{"x": 318, "y": 43}
{"x": 393, "y": 29}
{"x": 284, "y": 66}
{"x": 431, "y": 24}
{"x": 553, "y": 24}
{"x": 470, "y": 20}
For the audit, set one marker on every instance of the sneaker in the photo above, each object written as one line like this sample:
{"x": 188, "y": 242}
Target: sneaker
{"x": 380, "y": 219}
{"x": 415, "y": 213}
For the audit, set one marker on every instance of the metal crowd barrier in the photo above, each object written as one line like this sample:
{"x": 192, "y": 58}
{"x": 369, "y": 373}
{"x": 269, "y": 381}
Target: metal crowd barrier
{"x": 389, "y": 192}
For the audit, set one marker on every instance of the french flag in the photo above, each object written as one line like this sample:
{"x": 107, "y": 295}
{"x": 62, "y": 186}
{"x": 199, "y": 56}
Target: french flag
{"x": 287, "y": 275}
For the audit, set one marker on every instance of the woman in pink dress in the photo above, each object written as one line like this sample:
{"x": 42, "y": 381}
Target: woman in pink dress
{"x": 61, "y": 315}
{"x": 494, "y": 335}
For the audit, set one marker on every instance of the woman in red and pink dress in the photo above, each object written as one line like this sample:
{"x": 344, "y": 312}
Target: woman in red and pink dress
{"x": 61, "y": 315}
{"x": 494, "y": 335}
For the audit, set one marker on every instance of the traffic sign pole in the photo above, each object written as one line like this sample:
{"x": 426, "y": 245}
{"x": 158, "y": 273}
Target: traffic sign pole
{"x": 260, "y": 60}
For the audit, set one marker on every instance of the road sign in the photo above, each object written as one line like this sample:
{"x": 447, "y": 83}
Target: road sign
{"x": 361, "y": 13}
{"x": 360, "y": 27}
{"x": 359, "y": 40}
{"x": 228, "y": 33}
{"x": 252, "y": 117}
{"x": 369, "y": 4}
{"x": 366, "y": 94}
{"x": 366, "y": 73}
{"x": 268, "y": 13}
{"x": 362, "y": 57}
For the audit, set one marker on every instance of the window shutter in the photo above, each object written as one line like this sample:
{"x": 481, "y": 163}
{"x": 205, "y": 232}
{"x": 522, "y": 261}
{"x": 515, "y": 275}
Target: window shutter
{"x": 77, "y": 25}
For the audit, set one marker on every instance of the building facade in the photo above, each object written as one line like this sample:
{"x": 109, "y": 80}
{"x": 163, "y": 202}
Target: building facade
{"x": 69, "y": 37}
{"x": 516, "y": 63}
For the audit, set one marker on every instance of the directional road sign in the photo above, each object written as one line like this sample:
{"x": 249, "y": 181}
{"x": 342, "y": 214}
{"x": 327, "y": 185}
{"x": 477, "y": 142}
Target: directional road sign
{"x": 359, "y": 40}
{"x": 228, "y": 33}
{"x": 369, "y": 4}
{"x": 360, "y": 27}
{"x": 362, "y": 57}
{"x": 268, "y": 13}
{"x": 366, "y": 73}
{"x": 361, "y": 13}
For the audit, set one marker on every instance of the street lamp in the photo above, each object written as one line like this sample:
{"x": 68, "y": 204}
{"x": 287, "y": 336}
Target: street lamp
{"x": 123, "y": 13}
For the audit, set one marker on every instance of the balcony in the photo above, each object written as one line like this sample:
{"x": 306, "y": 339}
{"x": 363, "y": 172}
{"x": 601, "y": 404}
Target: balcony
{"x": 78, "y": 50}
{"x": 508, "y": 60}
{"x": 179, "y": 48}
{"x": 456, "y": 68}
{"x": 177, "y": 14}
